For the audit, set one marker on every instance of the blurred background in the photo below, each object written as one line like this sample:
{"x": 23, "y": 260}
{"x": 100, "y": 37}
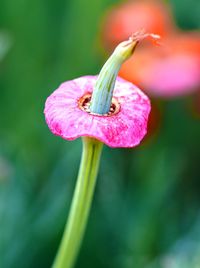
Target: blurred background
{"x": 146, "y": 209}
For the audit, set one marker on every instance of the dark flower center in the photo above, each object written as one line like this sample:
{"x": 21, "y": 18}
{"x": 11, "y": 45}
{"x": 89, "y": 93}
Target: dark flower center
{"x": 84, "y": 104}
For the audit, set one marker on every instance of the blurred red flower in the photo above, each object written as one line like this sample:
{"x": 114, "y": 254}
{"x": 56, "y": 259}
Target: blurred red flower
{"x": 124, "y": 19}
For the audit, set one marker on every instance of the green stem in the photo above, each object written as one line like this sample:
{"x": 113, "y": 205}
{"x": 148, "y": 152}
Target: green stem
{"x": 81, "y": 204}
{"x": 104, "y": 87}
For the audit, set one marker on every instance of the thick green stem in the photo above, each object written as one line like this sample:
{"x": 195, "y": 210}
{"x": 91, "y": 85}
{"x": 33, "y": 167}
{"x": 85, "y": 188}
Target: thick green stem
{"x": 81, "y": 204}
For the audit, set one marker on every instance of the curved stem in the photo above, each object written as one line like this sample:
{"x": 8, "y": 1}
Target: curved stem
{"x": 81, "y": 204}
{"x": 104, "y": 86}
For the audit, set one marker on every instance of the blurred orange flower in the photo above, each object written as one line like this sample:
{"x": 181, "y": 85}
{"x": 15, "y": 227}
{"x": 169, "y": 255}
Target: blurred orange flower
{"x": 169, "y": 71}
{"x": 124, "y": 19}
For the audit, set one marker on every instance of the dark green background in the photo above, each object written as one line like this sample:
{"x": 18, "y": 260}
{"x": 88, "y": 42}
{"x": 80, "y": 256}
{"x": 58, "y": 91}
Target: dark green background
{"x": 146, "y": 210}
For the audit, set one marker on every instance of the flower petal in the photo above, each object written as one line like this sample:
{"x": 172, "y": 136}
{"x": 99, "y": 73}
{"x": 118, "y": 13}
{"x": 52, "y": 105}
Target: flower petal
{"x": 124, "y": 129}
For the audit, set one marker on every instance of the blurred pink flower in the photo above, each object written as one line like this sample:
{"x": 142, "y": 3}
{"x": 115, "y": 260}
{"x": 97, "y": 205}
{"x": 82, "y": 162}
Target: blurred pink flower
{"x": 172, "y": 70}
{"x": 67, "y": 113}
{"x": 175, "y": 76}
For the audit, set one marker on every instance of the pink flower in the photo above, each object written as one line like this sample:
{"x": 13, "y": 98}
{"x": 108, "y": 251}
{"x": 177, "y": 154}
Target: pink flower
{"x": 67, "y": 113}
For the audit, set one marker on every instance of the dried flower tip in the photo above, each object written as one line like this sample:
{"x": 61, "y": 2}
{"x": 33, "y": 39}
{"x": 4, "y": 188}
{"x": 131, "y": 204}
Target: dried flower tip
{"x": 141, "y": 35}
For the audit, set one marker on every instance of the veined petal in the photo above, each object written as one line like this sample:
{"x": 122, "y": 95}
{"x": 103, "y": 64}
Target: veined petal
{"x": 123, "y": 129}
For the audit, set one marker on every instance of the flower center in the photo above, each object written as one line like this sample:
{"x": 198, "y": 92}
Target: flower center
{"x": 84, "y": 105}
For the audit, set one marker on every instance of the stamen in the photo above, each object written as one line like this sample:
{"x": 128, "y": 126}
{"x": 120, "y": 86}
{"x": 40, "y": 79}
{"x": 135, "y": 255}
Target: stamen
{"x": 141, "y": 35}
{"x": 84, "y": 105}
